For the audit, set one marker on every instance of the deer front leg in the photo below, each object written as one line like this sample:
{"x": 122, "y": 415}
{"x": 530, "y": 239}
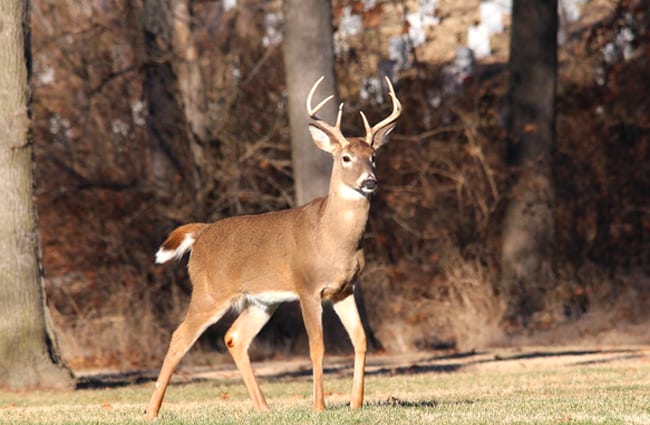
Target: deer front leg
{"x": 312, "y": 312}
{"x": 347, "y": 311}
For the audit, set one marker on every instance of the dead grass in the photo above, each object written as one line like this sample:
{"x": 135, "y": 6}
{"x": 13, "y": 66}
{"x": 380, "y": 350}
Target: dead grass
{"x": 537, "y": 385}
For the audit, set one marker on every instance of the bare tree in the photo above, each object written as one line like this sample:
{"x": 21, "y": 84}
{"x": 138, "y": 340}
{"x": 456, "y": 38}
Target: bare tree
{"x": 528, "y": 229}
{"x": 181, "y": 120}
{"x": 308, "y": 49}
{"x": 169, "y": 119}
{"x": 28, "y": 356}
{"x": 308, "y": 55}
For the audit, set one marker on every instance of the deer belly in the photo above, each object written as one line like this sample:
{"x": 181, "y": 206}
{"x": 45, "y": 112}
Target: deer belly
{"x": 266, "y": 300}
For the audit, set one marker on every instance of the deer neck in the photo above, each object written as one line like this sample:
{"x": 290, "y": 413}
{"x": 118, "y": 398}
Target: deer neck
{"x": 344, "y": 217}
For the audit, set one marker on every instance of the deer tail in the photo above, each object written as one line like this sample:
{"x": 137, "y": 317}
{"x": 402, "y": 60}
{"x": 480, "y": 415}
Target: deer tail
{"x": 179, "y": 241}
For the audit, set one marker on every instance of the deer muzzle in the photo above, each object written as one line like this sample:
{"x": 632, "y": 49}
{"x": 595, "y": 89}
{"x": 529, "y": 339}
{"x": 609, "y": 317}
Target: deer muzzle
{"x": 369, "y": 185}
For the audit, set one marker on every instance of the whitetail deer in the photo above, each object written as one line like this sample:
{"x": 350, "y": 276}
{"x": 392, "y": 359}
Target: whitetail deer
{"x": 311, "y": 253}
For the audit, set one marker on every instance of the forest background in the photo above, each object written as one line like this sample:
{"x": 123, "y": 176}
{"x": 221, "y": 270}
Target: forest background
{"x": 121, "y": 160}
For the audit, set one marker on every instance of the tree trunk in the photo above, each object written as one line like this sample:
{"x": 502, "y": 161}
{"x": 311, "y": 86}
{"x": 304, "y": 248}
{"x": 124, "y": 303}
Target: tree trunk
{"x": 308, "y": 54}
{"x": 175, "y": 119}
{"x": 528, "y": 229}
{"x": 188, "y": 74}
{"x": 28, "y": 357}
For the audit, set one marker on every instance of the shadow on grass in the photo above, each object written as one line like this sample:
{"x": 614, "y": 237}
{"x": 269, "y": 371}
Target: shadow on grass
{"x": 400, "y": 403}
{"x": 424, "y": 367}
{"x": 396, "y": 402}
{"x": 470, "y": 358}
{"x": 113, "y": 380}
{"x": 630, "y": 356}
{"x": 345, "y": 370}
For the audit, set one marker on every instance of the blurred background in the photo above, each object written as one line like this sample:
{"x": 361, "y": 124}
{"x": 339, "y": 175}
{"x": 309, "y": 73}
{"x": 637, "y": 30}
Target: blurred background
{"x": 151, "y": 114}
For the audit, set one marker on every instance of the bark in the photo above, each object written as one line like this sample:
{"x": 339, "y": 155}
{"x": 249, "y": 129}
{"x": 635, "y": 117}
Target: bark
{"x": 177, "y": 119}
{"x": 186, "y": 66}
{"x": 308, "y": 54}
{"x": 528, "y": 229}
{"x": 181, "y": 119}
{"x": 28, "y": 357}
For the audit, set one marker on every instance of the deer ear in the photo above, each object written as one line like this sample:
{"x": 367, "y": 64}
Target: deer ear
{"x": 381, "y": 137}
{"x": 322, "y": 139}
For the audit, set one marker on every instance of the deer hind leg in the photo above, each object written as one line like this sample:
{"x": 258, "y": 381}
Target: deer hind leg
{"x": 347, "y": 311}
{"x": 182, "y": 339}
{"x": 238, "y": 339}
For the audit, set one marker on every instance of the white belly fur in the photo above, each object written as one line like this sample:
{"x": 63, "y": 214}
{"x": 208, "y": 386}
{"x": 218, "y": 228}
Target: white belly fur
{"x": 265, "y": 300}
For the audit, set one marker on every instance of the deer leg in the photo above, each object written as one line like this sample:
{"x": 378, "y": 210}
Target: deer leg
{"x": 182, "y": 339}
{"x": 238, "y": 339}
{"x": 312, "y": 312}
{"x": 347, "y": 311}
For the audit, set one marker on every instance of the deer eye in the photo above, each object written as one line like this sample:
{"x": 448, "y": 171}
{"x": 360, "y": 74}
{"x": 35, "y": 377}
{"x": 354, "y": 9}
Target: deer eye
{"x": 347, "y": 159}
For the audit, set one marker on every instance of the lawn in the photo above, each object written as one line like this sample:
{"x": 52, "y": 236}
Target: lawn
{"x": 549, "y": 387}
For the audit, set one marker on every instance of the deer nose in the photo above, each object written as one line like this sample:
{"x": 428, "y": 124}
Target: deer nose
{"x": 369, "y": 185}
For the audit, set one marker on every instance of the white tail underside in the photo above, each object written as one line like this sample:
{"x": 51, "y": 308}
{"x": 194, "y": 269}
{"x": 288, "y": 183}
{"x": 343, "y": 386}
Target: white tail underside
{"x": 163, "y": 255}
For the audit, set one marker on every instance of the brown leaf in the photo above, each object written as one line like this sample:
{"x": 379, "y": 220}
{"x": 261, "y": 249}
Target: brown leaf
{"x": 530, "y": 128}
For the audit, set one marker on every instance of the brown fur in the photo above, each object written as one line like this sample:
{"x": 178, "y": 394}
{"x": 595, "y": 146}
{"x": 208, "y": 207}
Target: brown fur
{"x": 177, "y": 236}
{"x": 311, "y": 253}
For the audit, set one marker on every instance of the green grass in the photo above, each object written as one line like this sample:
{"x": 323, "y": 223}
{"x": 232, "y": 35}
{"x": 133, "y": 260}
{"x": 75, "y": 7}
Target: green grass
{"x": 614, "y": 394}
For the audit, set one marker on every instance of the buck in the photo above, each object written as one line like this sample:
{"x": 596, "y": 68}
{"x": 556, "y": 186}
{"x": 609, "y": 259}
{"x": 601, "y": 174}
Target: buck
{"x": 312, "y": 254}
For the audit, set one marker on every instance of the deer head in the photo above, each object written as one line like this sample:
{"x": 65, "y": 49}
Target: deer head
{"x": 353, "y": 172}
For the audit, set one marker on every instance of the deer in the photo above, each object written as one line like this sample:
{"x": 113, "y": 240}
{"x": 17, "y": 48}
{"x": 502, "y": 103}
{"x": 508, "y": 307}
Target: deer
{"x": 312, "y": 254}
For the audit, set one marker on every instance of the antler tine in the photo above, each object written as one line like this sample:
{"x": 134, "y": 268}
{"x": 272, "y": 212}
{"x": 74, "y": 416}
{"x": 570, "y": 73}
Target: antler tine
{"x": 339, "y": 115}
{"x": 333, "y": 131}
{"x": 318, "y": 107}
{"x": 313, "y": 111}
{"x": 384, "y": 126}
{"x": 365, "y": 122}
{"x": 397, "y": 107}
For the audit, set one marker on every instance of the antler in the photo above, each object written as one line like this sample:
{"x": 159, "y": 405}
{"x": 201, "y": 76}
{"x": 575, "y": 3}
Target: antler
{"x": 332, "y": 131}
{"x": 375, "y": 136}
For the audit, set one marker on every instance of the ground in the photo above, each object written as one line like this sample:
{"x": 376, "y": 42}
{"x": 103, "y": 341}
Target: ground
{"x": 497, "y": 359}
{"x": 542, "y": 385}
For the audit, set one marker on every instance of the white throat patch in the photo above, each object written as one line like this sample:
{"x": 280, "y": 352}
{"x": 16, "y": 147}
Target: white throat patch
{"x": 349, "y": 193}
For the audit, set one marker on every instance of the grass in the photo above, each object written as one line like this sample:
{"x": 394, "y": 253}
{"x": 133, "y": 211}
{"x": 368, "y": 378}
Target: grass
{"x": 556, "y": 394}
